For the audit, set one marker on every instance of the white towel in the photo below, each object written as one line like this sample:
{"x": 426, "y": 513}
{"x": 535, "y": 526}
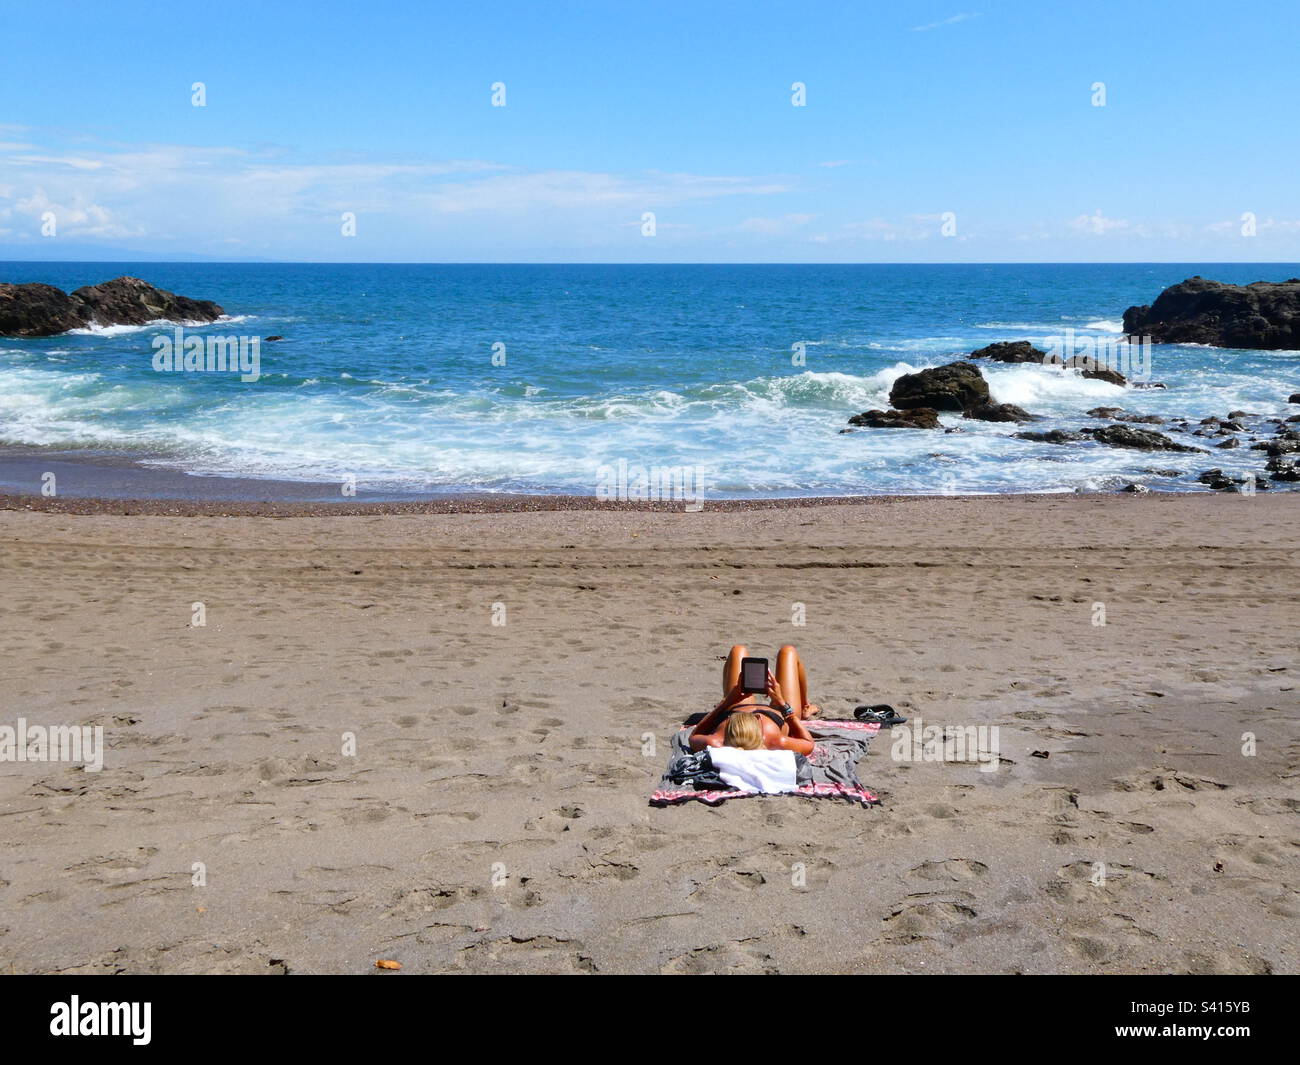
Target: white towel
{"x": 766, "y": 772}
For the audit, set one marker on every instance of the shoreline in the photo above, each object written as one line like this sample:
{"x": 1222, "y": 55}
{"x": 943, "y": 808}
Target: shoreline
{"x": 490, "y": 504}
{"x": 115, "y": 484}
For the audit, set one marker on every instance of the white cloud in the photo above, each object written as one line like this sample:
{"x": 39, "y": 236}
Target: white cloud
{"x": 1097, "y": 224}
{"x": 196, "y": 197}
{"x": 946, "y": 21}
{"x": 776, "y": 226}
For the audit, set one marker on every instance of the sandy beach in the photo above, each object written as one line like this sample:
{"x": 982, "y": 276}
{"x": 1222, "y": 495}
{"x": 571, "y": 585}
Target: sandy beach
{"x": 494, "y": 815}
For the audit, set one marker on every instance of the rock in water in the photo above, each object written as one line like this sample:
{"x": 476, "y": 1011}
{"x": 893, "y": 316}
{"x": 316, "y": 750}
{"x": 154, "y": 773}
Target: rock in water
{"x": 1264, "y": 314}
{"x": 956, "y": 386}
{"x": 1011, "y": 351}
{"x": 1127, "y": 436}
{"x": 999, "y": 412}
{"x": 36, "y": 310}
{"x": 1052, "y": 436}
{"x": 917, "y": 418}
{"x": 1095, "y": 371}
{"x": 130, "y": 301}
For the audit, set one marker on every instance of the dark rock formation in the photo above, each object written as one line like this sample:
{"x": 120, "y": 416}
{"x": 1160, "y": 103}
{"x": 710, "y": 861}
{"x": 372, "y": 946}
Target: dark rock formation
{"x": 956, "y": 386}
{"x": 916, "y": 418}
{"x": 1217, "y": 480}
{"x": 1265, "y": 314}
{"x": 36, "y": 310}
{"x": 1294, "y": 397}
{"x": 999, "y": 412}
{"x": 1282, "y": 445}
{"x": 1136, "y": 489}
{"x": 1052, "y": 436}
{"x": 1011, "y": 351}
{"x": 1095, "y": 371}
{"x": 1232, "y": 482}
{"x": 1142, "y": 439}
{"x": 1119, "y": 414}
{"x": 1283, "y": 470}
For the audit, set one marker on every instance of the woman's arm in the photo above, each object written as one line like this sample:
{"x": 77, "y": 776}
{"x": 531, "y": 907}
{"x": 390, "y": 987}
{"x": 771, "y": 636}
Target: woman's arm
{"x": 709, "y": 723}
{"x": 799, "y": 740}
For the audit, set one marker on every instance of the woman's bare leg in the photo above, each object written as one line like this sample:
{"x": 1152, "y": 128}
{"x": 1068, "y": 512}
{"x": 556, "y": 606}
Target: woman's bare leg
{"x": 808, "y": 709}
{"x": 793, "y": 679}
{"x": 731, "y": 671}
{"x": 787, "y": 675}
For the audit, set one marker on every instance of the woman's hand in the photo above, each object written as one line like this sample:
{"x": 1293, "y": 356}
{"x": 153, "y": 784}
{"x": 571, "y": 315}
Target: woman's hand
{"x": 774, "y": 692}
{"x": 736, "y": 695}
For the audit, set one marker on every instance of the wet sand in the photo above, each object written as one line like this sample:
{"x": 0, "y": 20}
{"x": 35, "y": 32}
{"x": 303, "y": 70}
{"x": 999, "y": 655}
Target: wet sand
{"x": 494, "y": 814}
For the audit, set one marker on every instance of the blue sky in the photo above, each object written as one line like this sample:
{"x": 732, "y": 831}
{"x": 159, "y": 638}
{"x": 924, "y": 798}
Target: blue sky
{"x": 614, "y": 109}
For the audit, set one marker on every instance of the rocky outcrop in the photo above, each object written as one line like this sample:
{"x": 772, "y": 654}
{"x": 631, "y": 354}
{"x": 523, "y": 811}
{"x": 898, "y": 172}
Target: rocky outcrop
{"x": 1142, "y": 439}
{"x": 916, "y": 418}
{"x": 1119, "y": 414}
{"x": 1095, "y": 371}
{"x": 1051, "y": 436}
{"x": 1264, "y": 314}
{"x": 1285, "y": 443}
{"x": 1232, "y": 482}
{"x": 36, "y": 310}
{"x": 1011, "y": 351}
{"x": 1283, "y": 470}
{"x": 958, "y": 386}
{"x": 999, "y": 412}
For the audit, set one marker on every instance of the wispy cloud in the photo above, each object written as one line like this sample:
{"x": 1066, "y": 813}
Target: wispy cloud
{"x": 192, "y": 198}
{"x": 951, "y": 20}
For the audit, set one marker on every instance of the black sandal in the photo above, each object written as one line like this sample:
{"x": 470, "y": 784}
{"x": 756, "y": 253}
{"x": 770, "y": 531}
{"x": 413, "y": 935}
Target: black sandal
{"x": 879, "y": 714}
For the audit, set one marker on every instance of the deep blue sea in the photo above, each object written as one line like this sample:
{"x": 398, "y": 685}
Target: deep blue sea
{"x": 387, "y": 374}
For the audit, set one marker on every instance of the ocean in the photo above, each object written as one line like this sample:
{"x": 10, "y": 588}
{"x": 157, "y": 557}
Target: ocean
{"x": 433, "y": 379}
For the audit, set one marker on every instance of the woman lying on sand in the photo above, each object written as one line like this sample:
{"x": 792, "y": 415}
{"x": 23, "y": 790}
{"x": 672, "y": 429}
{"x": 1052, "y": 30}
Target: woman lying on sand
{"x": 740, "y": 721}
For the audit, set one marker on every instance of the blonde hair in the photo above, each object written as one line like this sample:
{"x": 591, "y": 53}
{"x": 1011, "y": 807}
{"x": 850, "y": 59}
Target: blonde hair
{"x": 744, "y": 731}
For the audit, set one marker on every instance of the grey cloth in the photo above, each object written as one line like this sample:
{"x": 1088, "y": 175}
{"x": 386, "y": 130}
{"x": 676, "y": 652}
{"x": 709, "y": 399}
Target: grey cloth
{"x": 830, "y": 772}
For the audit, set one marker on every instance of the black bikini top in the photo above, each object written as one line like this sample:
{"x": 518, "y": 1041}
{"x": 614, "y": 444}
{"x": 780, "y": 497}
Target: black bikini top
{"x": 766, "y": 711}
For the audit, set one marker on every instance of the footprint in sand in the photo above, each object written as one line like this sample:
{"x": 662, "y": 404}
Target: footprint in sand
{"x": 526, "y": 954}
{"x": 1221, "y": 963}
{"x": 950, "y": 869}
{"x": 725, "y": 959}
{"x": 935, "y": 918}
{"x": 1105, "y": 939}
{"x": 1083, "y": 881}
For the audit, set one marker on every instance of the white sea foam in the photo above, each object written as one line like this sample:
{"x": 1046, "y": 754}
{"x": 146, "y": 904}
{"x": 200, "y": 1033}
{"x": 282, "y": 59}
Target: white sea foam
{"x": 97, "y": 330}
{"x": 1038, "y": 388}
{"x": 777, "y": 433}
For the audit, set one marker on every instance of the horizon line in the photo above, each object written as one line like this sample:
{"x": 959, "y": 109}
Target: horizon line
{"x": 523, "y": 262}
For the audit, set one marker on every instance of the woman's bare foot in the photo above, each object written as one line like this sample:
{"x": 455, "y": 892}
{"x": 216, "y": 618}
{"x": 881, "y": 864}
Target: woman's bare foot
{"x": 810, "y": 710}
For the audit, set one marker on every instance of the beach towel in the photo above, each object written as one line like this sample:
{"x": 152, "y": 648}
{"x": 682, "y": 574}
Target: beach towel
{"x": 830, "y": 772}
{"x": 769, "y": 772}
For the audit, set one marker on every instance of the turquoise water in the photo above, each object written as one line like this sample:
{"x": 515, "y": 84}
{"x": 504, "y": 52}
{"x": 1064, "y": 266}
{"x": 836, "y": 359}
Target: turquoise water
{"x": 387, "y": 375}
